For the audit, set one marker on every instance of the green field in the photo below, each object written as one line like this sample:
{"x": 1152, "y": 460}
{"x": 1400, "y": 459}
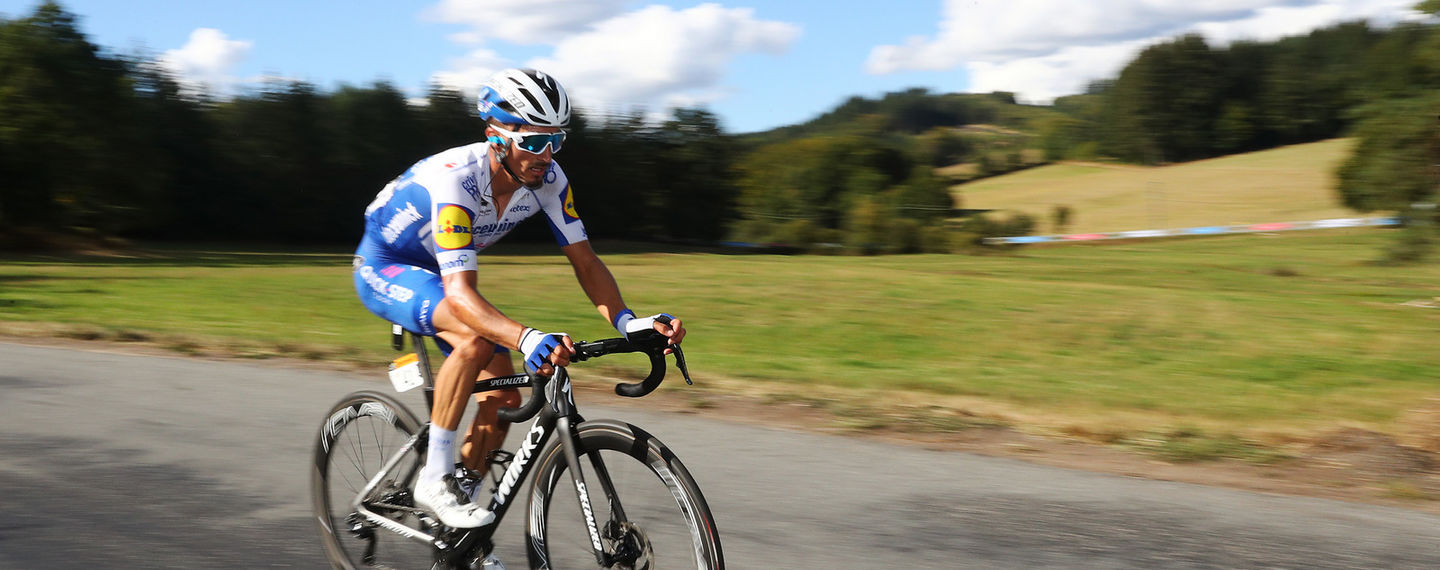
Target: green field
{"x": 1264, "y": 336}
{"x": 1288, "y": 184}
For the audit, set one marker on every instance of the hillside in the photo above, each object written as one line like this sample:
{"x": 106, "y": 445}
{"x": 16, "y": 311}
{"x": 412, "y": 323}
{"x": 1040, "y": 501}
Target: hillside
{"x": 1293, "y": 183}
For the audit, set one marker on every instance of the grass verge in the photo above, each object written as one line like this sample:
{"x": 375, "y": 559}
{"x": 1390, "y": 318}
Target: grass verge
{"x": 1224, "y": 344}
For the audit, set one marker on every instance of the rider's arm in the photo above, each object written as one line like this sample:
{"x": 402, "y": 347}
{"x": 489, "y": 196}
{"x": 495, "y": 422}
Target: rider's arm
{"x": 595, "y": 279}
{"x": 599, "y": 284}
{"x": 472, "y": 309}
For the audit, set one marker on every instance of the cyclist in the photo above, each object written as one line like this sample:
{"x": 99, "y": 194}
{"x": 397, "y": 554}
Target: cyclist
{"x": 416, "y": 266}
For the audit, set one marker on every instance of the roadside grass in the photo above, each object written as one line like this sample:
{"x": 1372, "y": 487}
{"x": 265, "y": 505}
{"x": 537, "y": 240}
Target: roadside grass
{"x": 1287, "y": 184}
{"x": 1189, "y": 349}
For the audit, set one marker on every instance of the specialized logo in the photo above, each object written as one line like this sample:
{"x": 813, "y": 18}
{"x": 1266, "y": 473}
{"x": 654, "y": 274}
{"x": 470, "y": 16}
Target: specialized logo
{"x": 452, "y": 227}
{"x": 570, "y": 214}
{"x": 589, "y": 516}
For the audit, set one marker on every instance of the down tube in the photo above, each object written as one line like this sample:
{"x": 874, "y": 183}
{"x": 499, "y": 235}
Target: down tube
{"x": 523, "y": 462}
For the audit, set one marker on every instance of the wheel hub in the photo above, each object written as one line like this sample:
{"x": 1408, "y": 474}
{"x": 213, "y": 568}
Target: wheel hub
{"x": 632, "y": 547}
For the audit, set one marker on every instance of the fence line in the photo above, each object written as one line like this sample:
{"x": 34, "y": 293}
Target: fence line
{"x": 1204, "y": 230}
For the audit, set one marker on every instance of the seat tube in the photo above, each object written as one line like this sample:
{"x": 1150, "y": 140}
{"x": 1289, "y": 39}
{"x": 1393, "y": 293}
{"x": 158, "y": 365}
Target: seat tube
{"x": 418, "y": 341}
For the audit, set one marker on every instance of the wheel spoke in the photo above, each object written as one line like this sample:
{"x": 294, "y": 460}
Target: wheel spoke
{"x": 664, "y": 520}
{"x": 356, "y": 448}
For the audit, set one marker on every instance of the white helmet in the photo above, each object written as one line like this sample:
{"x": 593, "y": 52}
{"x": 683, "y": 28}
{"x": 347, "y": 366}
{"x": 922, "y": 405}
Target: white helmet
{"x": 524, "y": 96}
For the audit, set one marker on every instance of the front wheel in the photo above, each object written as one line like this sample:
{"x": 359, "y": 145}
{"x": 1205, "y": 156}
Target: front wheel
{"x": 648, "y": 509}
{"x": 359, "y": 435}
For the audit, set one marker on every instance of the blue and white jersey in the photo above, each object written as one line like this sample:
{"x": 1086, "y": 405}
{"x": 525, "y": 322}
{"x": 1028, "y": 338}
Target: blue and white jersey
{"x": 440, "y": 213}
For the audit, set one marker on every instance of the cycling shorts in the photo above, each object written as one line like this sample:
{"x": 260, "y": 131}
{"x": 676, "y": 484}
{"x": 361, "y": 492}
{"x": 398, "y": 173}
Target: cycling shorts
{"x": 400, "y": 292}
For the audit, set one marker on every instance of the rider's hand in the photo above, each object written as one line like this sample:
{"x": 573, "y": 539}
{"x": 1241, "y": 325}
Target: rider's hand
{"x": 628, "y": 325}
{"x": 544, "y": 349}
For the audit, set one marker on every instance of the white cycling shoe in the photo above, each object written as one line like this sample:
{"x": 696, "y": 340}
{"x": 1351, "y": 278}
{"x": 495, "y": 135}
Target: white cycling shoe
{"x": 444, "y": 498}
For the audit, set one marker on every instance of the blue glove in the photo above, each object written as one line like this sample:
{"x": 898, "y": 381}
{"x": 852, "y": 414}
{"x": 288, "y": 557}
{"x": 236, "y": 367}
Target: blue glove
{"x": 627, "y": 324}
{"x": 537, "y": 347}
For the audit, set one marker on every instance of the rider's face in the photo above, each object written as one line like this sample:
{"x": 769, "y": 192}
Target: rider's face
{"x": 528, "y": 166}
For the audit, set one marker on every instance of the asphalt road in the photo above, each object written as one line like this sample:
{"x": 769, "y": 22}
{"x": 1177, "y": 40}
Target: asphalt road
{"x": 110, "y": 460}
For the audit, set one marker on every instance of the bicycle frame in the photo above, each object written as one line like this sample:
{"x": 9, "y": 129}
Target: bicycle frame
{"x": 558, "y": 416}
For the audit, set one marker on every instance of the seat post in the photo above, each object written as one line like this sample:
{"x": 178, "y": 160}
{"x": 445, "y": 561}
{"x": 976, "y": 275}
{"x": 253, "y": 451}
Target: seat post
{"x": 418, "y": 341}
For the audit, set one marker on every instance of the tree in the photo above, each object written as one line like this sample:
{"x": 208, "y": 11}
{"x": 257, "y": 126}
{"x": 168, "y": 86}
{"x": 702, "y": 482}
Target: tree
{"x": 1161, "y": 108}
{"x": 284, "y": 168}
{"x": 923, "y": 197}
{"x": 1394, "y": 168}
{"x": 449, "y": 120}
{"x": 1393, "y": 165}
{"x": 60, "y": 149}
{"x": 818, "y": 178}
{"x": 697, "y": 198}
{"x": 868, "y": 226}
{"x": 175, "y": 137}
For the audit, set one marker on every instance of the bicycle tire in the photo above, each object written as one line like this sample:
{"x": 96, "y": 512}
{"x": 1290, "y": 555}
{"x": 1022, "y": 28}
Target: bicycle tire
{"x": 359, "y": 434}
{"x": 667, "y": 519}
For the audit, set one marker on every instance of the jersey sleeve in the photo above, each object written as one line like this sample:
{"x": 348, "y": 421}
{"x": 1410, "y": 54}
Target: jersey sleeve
{"x": 558, "y": 202}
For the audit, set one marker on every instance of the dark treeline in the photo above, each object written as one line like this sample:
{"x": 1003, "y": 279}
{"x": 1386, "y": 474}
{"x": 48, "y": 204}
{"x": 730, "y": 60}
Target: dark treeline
{"x": 97, "y": 145}
{"x": 1185, "y": 99}
{"x": 113, "y": 146}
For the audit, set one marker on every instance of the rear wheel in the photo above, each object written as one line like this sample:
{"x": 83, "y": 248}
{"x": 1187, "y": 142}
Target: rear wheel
{"x": 359, "y": 435}
{"x": 665, "y": 523}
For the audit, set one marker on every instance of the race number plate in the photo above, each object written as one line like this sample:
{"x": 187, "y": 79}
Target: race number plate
{"x": 405, "y": 372}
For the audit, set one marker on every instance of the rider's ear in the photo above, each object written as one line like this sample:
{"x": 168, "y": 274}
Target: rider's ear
{"x": 502, "y": 146}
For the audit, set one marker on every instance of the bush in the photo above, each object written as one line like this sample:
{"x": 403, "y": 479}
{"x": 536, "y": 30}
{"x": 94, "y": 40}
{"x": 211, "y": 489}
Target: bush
{"x": 1417, "y": 238}
{"x": 799, "y": 233}
{"x": 937, "y": 238}
{"x": 868, "y": 225}
{"x": 904, "y": 236}
{"x": 1060, "y": 218}
{"x": 976, "y": 229}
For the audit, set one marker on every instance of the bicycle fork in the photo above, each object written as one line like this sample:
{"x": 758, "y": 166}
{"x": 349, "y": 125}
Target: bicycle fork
{"x": 615, "y": 527}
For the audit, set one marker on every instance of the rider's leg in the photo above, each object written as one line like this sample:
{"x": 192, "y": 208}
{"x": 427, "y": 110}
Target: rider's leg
{"x": 436, "y": 488}
{"x": 487, "y": 433}
{"x": 405, "y": 294}
{"x": 454, "y": 383}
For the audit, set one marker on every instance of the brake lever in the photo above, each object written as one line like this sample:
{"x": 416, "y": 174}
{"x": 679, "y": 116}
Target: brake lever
{"x": 679, "y": 354}
{"x": 680, "y": 363}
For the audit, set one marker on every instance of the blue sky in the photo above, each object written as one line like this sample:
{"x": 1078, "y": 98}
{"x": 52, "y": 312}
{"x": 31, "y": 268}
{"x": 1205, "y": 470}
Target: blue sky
{"x": 756, "y": 64}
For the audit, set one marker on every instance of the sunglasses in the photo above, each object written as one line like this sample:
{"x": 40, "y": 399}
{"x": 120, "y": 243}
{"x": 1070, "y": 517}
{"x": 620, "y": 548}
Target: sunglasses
{"x": 534, "y": 143}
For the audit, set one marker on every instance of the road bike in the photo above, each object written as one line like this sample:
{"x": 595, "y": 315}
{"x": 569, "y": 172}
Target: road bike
{"x": 648, "y": 512}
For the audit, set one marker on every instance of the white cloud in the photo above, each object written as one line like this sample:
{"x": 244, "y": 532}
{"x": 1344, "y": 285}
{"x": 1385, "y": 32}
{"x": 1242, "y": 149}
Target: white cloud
{"x": 656, "y": 57}
{"x": 1042, "y": 49}
{"x": 206, "y": 59}
{"x": 533, "y": 22}
{"x": 467, "y": 73}
{"x": 659, "y": 56}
